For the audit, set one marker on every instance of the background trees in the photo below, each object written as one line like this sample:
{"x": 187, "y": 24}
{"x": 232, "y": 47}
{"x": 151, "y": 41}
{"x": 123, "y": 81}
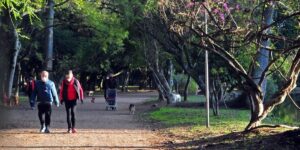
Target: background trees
{"x": 233, "y": 33}
{"x": 250, "y": 43}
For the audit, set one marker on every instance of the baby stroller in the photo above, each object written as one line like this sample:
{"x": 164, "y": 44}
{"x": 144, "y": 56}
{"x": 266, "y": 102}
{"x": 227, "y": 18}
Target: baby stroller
{"x": 110, "y": 100}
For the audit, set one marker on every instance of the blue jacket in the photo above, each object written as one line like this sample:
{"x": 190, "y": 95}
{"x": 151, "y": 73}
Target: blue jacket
{"x": 45, "y": 92}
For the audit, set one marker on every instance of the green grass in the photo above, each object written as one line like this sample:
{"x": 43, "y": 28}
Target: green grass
{"x": 196, "y": 98}
{"x": 23, "y": 99}
{"x": 195, "y": 119}
{"x": 187, "y": 127}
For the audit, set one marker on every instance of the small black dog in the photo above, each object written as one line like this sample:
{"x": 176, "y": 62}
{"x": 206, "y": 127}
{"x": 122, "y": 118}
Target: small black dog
{"x": 131, "y": 109}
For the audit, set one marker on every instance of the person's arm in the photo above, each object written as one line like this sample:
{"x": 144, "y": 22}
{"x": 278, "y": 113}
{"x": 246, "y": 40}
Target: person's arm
{"x": 61, "y": 92}
{"x": 81, "y": 95}
{"x": 54, "y": 94}
{"x": 33, "y": 95}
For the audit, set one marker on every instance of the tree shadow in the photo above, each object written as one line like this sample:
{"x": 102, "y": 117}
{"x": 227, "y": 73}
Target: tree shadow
{"x": 240, "y": 140}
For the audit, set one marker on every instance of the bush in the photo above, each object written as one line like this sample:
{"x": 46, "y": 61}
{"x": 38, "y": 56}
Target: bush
{"x": 272, "y": 87}
{"x": 181, "y": 81}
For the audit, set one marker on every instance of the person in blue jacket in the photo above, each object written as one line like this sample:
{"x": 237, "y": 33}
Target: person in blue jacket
{"x": 45, "y": 94}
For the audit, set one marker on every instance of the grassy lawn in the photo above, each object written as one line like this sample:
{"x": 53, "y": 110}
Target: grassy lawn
{"x": 196, "y": 98}
{"x": 189, "y": 123}
{"x": 193, "y": 120}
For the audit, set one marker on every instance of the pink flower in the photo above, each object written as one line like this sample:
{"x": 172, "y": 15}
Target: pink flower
{"x": 190, "y": 5}
{"x": 226, "y": 7}
{"x": 222, "y": 17}
{"x": 216, "y": 11}
{"x": 237, "y": 6}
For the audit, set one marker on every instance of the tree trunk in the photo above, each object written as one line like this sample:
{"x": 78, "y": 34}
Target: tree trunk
{"x": 260, "y": 110}
{"x": 4, "y": 56}
{"x": 152, "y": 58}
{"x": 186, "y": 87}
{"x": 125, "y": 82}
{"x": 49, "y": 37}
{"x": 262, "y": 57}
{"x": 170, "y": 73}
{"x": 159, "y": 89}
{"x": 12, "y": 69}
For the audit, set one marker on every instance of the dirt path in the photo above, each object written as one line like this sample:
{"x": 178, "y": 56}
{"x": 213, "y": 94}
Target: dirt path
{"x": 97, "y": 128}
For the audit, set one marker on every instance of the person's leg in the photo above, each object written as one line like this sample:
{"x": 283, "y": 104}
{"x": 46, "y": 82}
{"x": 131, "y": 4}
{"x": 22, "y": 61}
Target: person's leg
{"x": 41, "y": 118}
{"x": 73, "y": 116}
{"x": 67, "y": 106}
{"x": 48, "y": 111}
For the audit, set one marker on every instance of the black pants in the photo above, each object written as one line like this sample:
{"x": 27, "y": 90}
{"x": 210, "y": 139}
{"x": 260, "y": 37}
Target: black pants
{"x": 71, "y": 108}
{"x": 44, "y": 108}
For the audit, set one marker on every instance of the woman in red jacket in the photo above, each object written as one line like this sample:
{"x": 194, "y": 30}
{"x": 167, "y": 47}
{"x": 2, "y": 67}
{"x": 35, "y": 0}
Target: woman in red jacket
{"x": 70, "y": 92}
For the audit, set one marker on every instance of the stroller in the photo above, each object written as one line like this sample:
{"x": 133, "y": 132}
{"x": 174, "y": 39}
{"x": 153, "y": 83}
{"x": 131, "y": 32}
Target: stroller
{"x": 110, "y": 100}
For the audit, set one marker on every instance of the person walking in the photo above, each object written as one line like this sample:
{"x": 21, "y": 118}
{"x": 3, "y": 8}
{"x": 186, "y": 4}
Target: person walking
{"x": 29, "y": 90}
{"x": 70, "y": 92}
{"x": 109, "y": 83}
{"x": 45, "y": 94}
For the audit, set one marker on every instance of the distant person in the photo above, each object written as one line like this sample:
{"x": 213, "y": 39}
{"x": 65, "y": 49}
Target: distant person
{"x": 109, "y": 83}
{"x": 46, "y": 94}
{"x": 70, "y": 92}
{"x": 29, "y": 90}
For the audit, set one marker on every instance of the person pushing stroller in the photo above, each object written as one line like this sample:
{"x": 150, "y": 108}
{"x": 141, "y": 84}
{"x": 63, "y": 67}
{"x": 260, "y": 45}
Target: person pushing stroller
{"x": 110, "y": 91}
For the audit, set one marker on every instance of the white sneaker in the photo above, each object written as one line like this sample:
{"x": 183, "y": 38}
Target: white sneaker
{"x": 42, "y": 130}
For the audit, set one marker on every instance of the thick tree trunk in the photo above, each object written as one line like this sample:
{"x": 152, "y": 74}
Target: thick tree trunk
{"x": 152, "y": 57}
{"x": 186, "y": 87}
{"x": 4, "y": 56}
{"x": 260, "y": 110}
{"x": 12, "y": 69}
{"x": 159, "y": 89}
{"x": 262, "y": 57}
{"x": 49, "y": 37}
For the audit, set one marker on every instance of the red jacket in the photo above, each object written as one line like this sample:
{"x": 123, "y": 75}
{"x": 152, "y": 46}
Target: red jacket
{"x": 71, "y": 90}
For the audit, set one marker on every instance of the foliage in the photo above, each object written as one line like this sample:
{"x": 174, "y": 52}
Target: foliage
{"x": 272, "y": 87}
{"x": 181, "y": 82}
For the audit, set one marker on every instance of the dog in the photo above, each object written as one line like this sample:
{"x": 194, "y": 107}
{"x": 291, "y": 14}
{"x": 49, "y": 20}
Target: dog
{"x": 90, "y": 93}
{"x": 154, "y": 106}
{"x": 14, "y": 100}
{"x": 131, "y": 109}
{"x": 93, "y": 100}
{"x": 175, "y": 98}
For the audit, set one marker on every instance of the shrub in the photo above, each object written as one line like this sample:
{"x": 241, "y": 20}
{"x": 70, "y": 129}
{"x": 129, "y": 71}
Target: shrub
{"x": 181, "y": 81}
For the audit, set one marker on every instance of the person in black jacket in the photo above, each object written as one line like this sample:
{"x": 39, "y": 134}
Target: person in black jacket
{"x": 109, "y": 83}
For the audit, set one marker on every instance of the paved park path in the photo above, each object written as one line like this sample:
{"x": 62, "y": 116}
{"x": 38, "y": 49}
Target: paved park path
{"x": 97, "y": 128}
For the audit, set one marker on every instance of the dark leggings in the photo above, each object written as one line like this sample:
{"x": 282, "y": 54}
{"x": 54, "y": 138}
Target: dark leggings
{"x": 71, "y": 108}
{"x": 44, "y": 108}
